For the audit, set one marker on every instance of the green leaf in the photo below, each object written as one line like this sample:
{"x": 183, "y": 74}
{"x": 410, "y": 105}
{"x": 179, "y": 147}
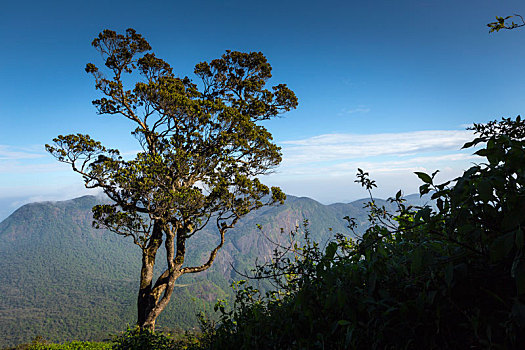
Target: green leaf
{"x": 416, "y": 260}
{"x": 372, "y": 279}
{"x": 431, "y": 296}
{"x": 449, "y": 274}
{"x": 483, "y": 152}
{"x": 501, "y": 246}
{"x": 424, "y": 213}
{"x": 510, "y": 221}
{"x": 519, "y": 274}
{"x": 518, "y": 311}
{"x": 485, "y": 190}
{"x": 424, "y": 189}
{"x": 469, "y": 144}
{"x": 398, "y": 195}
{"x": 519, "y": 239}
{"x": 424, "y": 177}
{"x": 348, "y": 337}
{"x": 330, "y": 250}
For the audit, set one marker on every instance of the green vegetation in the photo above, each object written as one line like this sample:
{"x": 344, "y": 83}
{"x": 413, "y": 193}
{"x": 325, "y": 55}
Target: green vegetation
{"x": 41, "y": 344}
{"x": 446, "y": 276}
{"x": 449, "y": 278}
{"x": 503, "y": 23}
{"x": 202, "y": 150}
{"x": 64, "y": 280}
{"x": 132, "y": 338}
{"x": 143, "y": 339}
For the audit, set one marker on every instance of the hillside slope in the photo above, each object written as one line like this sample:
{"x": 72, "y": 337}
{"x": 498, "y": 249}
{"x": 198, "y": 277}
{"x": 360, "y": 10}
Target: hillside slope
{"x": 62, "y": 279}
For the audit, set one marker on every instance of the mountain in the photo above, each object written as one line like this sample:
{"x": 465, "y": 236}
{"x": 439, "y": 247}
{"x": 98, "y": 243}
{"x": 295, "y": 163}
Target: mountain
{"x": 9, "y": 204}
{"x": 62, "y": 279}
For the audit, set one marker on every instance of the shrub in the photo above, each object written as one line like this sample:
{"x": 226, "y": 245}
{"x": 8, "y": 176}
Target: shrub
{"x": 40, "y": 343}
{"x": 448, "y": 277}
{"x": 142, "y": 339}
{"x": 137, "y": 339}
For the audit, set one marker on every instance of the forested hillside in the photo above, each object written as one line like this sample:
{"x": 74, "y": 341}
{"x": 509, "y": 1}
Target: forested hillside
{"x": 62, "y": 279}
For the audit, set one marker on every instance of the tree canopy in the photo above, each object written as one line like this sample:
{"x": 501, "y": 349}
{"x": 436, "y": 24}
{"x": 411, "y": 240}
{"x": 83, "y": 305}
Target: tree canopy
{"x": 202, "y": 148}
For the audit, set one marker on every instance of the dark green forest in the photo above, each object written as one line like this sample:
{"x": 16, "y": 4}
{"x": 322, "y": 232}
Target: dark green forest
{"x": 63, "y": 280}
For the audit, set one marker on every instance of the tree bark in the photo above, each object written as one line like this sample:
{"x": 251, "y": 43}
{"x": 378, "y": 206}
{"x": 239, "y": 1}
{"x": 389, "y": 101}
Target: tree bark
{"x": 153, "y": 299}
{"x": 146, "y": 300}
{"x": 150, "y": 303}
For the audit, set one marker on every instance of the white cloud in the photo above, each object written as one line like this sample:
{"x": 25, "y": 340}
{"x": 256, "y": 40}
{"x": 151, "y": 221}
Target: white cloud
{"x": 11, "y": 198}
{"x": 359, "y": 109}
{"x": 59, "y": 194}
{"x": 16, "y": 167}
{"x": 342, "y": 188}
{"x": 8, "y": 152}
{"x": 466, "y": 126}
{"x": 27, "y": 160}
{"x": 340, "y": 147}
{"x": 407, "y": 165}
{"x": 323, "y": 167}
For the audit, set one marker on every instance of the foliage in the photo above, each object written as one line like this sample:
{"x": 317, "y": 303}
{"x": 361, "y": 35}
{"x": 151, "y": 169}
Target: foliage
{"x": 449, "y": 277}
{"x": 40, "y": 344}
{"x": 131, "y": 339}
{"x": 502, "y": 23}
{"x": 144, "y": 339}
{"x": 202, "y": 150}
{"x": 51, "y": 246}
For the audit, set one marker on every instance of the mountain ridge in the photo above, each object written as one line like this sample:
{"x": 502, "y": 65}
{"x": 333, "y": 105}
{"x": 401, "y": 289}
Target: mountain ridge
{"x": 63, "y": 279}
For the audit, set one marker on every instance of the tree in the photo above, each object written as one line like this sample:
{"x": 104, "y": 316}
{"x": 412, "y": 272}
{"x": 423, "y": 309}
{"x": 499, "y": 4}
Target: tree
{"x": 202, "y": 150}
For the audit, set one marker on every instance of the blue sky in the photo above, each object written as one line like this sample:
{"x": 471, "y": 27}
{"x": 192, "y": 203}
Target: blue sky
{"x": 387, "y": 86}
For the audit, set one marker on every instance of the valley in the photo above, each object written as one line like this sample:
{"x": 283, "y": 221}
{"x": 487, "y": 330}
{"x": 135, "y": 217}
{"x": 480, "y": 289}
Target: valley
{"x": 62, "y": 279}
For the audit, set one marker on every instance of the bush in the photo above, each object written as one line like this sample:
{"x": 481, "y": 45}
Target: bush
{"x": 142, "y": 339}
{"x": 41, "y": 344}
{"x": 137, "y": 339}
{"x": 448, "y": 277}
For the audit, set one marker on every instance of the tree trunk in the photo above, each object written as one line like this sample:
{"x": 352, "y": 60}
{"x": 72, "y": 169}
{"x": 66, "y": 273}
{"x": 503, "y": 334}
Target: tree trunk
{"x": 150, "y": 304}
{"x": 145, "y": 301}
{"x": 153, "y": 298}
{"x": 145, "y": 305}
